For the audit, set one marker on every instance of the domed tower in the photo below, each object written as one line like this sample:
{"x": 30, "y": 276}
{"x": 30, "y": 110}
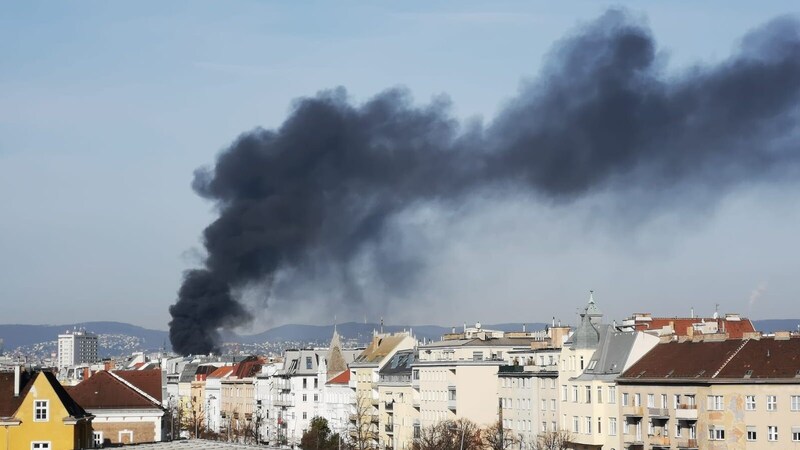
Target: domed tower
{"x": 593, "y": 312}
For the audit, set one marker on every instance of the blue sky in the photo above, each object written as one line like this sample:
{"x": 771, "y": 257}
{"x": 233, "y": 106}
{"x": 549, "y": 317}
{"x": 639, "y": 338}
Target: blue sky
{"x": 107, "y": 108}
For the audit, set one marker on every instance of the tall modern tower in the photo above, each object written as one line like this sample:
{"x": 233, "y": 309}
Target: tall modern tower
{"x": 76, "y": 347}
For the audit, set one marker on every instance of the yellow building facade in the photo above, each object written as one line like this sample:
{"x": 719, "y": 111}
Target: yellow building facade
{"x": 44, "y": 416}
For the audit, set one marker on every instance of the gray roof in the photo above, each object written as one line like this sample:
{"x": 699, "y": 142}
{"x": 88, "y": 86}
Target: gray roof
{"x": 587, "y": 335}
{"x": 296, "y": 362}
{"x": 188, "y": 372}
{"x": 400, "y": 363}
{"x": 491, "y": 342}
{"x": 612, "y": 352}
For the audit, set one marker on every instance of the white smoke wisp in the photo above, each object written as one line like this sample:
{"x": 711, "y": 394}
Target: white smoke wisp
{"x": 757, "y": 293}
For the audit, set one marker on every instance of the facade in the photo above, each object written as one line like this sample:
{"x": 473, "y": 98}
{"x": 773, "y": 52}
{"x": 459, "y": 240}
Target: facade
{"x": 126, "y": 406}
{"x": 458, "y": 377}
{"x": 396, "y": 408}
{"x": 364, "y": 376}
{"x": 237, "y": 401}
{"x": 726, "y": 394}
{"x": 212, "y": 393}
{"x": 76, "y": 347}
{"x": 338, "y": 402}
{"x": 36, "y": 412}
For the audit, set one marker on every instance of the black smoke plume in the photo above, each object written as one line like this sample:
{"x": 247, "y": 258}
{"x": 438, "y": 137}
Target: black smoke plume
{"x": 603, "y": 114}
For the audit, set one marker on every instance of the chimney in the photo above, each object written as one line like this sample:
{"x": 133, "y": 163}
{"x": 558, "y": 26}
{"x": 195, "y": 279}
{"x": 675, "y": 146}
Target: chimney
{"x": 16, "y": 380}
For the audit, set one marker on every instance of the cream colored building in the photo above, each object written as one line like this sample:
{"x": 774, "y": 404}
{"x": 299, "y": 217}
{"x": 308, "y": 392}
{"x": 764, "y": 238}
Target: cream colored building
{"x": 364, "y": 377}
{"x": 729, "y": 394}
{"x": 397, "y": 409}
{"x": 458, "y": 376}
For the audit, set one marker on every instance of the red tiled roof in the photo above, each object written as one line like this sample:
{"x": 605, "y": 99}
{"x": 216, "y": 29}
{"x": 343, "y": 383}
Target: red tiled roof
{"x": 104, "y": 391}
{"x": 734, "y": 328}
{"x": 9, "y": 403}
{"x": 249, "y": 367}
{"x": 148, "y": 381}
{"x": 342, "y": 378}
{"x": 766, "y": 358}
{"x": 222, "y": 372}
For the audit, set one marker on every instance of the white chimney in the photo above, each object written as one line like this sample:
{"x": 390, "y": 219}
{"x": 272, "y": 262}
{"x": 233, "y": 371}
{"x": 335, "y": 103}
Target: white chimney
{"x": 16, "y": 381}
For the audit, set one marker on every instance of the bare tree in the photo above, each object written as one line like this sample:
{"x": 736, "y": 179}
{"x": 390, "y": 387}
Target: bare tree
{"x": 363, "y": 426}
{"x": 461, "y": 434}
{"x": 498, "y": 438}
{"x": 553, "y": 440}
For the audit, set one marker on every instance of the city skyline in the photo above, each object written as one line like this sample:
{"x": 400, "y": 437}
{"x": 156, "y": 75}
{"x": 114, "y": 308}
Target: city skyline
{"x": 107, "y": 111}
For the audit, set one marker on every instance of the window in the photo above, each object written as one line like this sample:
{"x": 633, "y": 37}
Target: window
{"x": 715, "y": 403}
{"x": 305, "y": 383}
{"x": 772, "y": 403}
{"x": 637, "y": 399}
{"x": 544, "y": 405}
{"x": 544, "y": 427}
{"x": 305, "y": 415}
{"x": 624, "y": 399}
{"x": 716, "y": 434}
{"x": 40, "y": 445}
{"x": 308, "y": 362}
{"x": 41, "y": 408}
{"x": 305, "y": 397}
{"x": 599, "y": 425}
{"x": 796, "y": 403}
{"x": 563, "y": 392}
{"x": 676, "y": 401}
{"x": 575, "y": 424}
{"x": 316, "y": 397}
{"x": 599, "y": 394}
{"x": 772, "y": 433}
{"x": 612, "y": 394}
{"x": 750, "y": 403}
{"x": 664, "y": 401}
{"x": 588, "y": 428}
{"x": 612, "y": 426}
{"x": 97, "y": 438}
{"x": 575, "y": 394}
{"x": 651, "y": 400}
{"x": 796, "y": 434}
{"x": 316, "y": 383}
{"x": 553, "y": 404}
{"x": 678, "y": 429}
{"x": 751, "y": 433}
{"x": 588, "y": 394}
{"x": 477, "y": 356}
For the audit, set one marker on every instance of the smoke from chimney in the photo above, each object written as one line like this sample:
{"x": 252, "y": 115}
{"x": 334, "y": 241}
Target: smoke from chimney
{"x": 320, "y": 190}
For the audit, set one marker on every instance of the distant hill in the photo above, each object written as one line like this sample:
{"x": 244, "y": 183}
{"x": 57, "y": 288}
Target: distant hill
{"x": 24, "y": 335}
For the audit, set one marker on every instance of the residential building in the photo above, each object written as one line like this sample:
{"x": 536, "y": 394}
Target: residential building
{"x": 212, "y": 392}
{"x": 126, "y": 406}
{"x": 714, "y": 394}
{"x": 396, "y": 408}
{"x": 457, "y": 377}
{"x": 37, "y": 413}
{"x": 76, "y": 347}
{"x": 237, "y": 401}
{"x": 364, "y": 377}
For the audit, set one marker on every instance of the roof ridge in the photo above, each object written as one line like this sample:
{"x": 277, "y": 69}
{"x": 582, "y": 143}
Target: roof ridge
{"x": 736, "y": 352}
{"x": 136, "y": 389}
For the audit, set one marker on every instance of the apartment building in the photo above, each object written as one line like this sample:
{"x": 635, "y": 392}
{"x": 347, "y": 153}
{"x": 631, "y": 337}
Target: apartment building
{"x": 733, "y": 326}
{"x": 528, "y": 390}
{"x": 457, "y": 377}
{"x": 717, "y": 394}
{"x": 76, "y": 347}
{"x": 364, "y": 377}
{"x": 397, "y": 409}
{"x": 237, "y": 401}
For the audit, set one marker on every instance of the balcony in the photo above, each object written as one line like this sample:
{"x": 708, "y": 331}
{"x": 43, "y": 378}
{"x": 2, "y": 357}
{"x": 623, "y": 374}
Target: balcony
{"x": 451, "y": 398}
{"x": 353, "y": 383}
{"x": 632, "y": 440}
{"x": 686, "y": 412}
{"x": 688, "y": 444}
{"x": 633, "y": 411}
{"x": 282, "y": 402}
{"x": 658, "y": 413}
{"x": 415, "y": 403}
{"x": 659, "y": 442}
{"x": 415, "y": 383}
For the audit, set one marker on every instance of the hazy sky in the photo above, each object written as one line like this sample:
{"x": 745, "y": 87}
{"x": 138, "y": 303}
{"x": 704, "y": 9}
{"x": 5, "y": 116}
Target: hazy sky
{"x": 107, "y": 108}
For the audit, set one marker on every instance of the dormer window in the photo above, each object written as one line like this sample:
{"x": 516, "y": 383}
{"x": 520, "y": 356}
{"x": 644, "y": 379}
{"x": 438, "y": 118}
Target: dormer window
{"x": 41, "y": 410}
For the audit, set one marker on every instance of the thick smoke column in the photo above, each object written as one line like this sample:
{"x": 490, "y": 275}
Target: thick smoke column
{"x": 601, "y": 115}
